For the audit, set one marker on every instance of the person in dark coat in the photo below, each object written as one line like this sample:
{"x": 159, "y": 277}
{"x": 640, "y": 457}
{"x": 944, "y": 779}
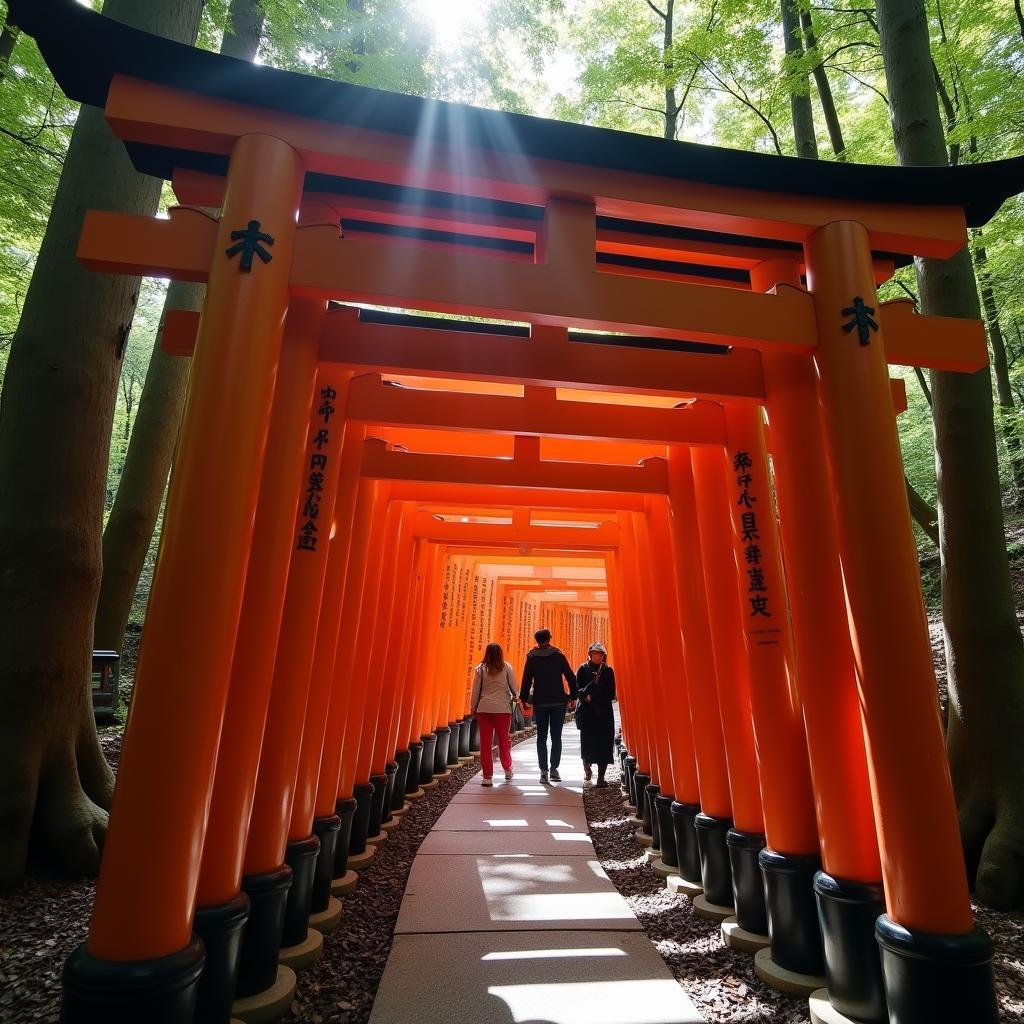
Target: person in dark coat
{"x": 549, "y": 686}
{"x": 595, "y": 685}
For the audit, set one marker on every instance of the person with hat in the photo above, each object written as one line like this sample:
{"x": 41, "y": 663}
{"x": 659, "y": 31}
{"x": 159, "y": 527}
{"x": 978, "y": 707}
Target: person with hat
{"x": 595, "y": 684}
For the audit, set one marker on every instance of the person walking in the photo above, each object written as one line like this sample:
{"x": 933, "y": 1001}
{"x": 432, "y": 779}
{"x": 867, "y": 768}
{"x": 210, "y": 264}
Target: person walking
{"x": 549, "y": 686}
{"x": 492, "y": 700}
{"x": 595, "y": 684}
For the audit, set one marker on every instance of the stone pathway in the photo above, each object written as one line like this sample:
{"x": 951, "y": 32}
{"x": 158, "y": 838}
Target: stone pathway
{"x": 508, "y": 917}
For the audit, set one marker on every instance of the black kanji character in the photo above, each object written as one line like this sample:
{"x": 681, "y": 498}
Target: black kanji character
{"x": 318, "y": 461}
{"x": 753, "y": 554}
{"x": 328, "y": 394}
{"x": 756, "y": 581}
{"x": 745, "y": 480}
{"x": 316, "y": 482}
{"x": 741, "y": 460}
{"x": 306, "y": 542}
{"x": 759, "y": 606}
{"x": 746, "y": 500}
{"x": 326, "y": 411}
{"x": 321, "y": 439}
{"x": 312, "y": 507}
{"x": 748, "y": 525}
{"x": 861, "y": 320}
{"x": 248, "y": 243}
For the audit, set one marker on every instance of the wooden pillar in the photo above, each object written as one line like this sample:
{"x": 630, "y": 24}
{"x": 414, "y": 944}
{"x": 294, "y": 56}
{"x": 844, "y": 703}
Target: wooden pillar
{"x": 919, "y": 842}
{"x": 150, "y": 868}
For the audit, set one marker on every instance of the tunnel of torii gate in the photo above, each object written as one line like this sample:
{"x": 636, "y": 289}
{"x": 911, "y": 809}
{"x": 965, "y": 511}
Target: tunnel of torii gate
{"x": 669, "y": 324}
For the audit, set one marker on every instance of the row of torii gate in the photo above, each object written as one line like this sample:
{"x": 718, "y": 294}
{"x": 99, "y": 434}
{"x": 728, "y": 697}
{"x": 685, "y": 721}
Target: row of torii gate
{"x": 342, "y": 474}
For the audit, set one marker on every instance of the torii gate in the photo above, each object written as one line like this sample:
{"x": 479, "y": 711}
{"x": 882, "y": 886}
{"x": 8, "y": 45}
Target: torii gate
{"x": 694, "y": 261}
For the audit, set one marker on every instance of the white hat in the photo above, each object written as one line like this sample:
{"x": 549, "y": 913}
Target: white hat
{"x": 597, "y": 647}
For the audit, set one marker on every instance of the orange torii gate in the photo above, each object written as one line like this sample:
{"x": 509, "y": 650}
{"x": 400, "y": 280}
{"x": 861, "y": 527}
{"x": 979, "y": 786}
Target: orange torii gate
{"x": 641, "y": 266}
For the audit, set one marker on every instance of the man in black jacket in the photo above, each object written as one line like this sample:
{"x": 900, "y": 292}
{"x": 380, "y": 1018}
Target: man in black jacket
{"x": 543, "y": 687}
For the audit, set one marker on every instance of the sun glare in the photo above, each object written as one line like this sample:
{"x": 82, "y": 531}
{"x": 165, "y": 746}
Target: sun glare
{"x": 449, "y": 20}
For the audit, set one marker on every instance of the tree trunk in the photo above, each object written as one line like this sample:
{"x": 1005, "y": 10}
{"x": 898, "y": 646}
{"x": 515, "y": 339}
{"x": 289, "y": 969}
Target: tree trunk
{"x": 671, "y": 107}
{"x": 1020, "y": 17}
{"x": 56, "y": 416}
{"x": 828, "y": 103}
{"x": 924, "y": 515}
{"x": 799, "y": 94}
{"x": 147, "y": 462}
{"x": 984, "y": 650}
{"x": 143, "y": 479}
{"x": 1004, "y": 392}
{"x": 8, "y": 40}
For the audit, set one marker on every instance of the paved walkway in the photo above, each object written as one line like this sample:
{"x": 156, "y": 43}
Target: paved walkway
{"x": 508, "y": 917}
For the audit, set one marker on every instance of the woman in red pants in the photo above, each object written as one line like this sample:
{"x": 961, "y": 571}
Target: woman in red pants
{"x": 493, "y": 698}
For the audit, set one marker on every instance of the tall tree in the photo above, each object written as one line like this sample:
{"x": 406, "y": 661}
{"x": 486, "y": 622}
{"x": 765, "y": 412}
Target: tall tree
{"x": 984, "y": 649}
{"x": 56, "y": 412}
{"x": 140, "y": 490}
{"x": 799, "y": 93}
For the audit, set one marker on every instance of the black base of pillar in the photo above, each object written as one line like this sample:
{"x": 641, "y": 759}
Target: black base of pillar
{"x": 715, "y": 870}
{"x": 412, "y": 778}
{"x": 630, "y": 772}
{"x": 622, "y": 754}
{"x": 363, "y": 792}
{"x": 301, "y": 856}
{"x": 261, "y": 940}
{"x": 467, "y": 727}
{"x": 474, "y": 737}
{"x": 792, "y": 911}
{"x": 663, "y": 813}
{"x": 641, "y": 780}
{"x": 454, "y": 739}
{"x": 427, "y": 757}
{"x": 391, "y": 771}
{"x": 345, "y": 810}
{"x": 160, "y": 991}
{"x": 444, "y": 735}
{"x": 651, "y": 793}
{"x": 220, "y": 927}
{"x": 847, "y": 912}
{"x": 687, "y": 851}
{"x": 402, "y": 759}
{"x": 380, "y": 792}
{"x": 326, "y": 830}
{"x": 931, "y": 978}
{"x": 747, "y": 880}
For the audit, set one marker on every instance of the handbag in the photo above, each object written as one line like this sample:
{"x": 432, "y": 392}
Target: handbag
{"x": 577, "y": 714}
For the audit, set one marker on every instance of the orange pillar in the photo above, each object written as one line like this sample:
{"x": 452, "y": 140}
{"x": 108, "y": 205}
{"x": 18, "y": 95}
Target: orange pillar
{"x": 850, "y": 894}
{"x": 684, "y": 787}
{"x": 659, "y": 667}
{"x": 745, "y": 839}
{"x": 922, "y": 861}
{"x": 220, "y": 878}
{"x": 154, "y": 841}
{"x": 792, "y": 857}
{"x": 328, "y": 808}
{"x": 270, "y": 855}
{"x": 354, "y": 648}
{"x": 374, "y": 637}
{"x": 706, "y": 862}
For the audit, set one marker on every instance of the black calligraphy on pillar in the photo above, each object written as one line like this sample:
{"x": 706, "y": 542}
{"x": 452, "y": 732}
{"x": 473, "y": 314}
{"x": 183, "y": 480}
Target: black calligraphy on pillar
{"x": 757, "y": 587}
{"x": 861, "y": 319}
{"x": 309, "y": 532}
{"x": 249, "y": 242}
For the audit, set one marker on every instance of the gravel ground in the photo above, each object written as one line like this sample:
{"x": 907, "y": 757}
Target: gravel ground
{"x": 42, "y": 922}
{"x": 720, "y": 981}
